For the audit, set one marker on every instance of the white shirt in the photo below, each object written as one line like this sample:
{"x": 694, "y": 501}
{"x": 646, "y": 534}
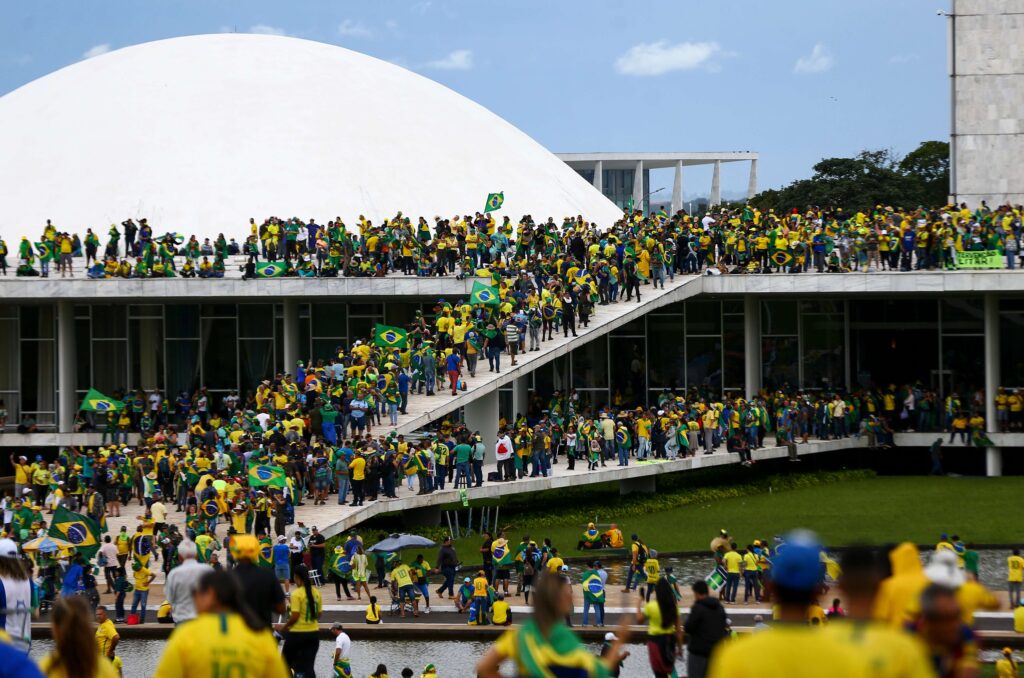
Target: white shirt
{"x": 154, "y": 401}
{"x": 181, "y": 584}
{"x": 343, "y": 645}
{"x": 17, "y": 604}
{"x": 504, "y": 449}
{"x": 264, "y": 419}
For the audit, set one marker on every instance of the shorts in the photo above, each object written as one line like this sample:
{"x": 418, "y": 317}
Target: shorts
{"x": 359, "y": 424}
{"x": 408, "y": 592}
{"x": 359, "y": 577}
{"x": 502, "y": 574}
{"x": 282, "y": 571}
{"x": 321, "y": 485}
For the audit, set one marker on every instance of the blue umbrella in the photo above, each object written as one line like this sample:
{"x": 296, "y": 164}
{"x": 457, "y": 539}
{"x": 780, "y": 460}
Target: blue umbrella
{"x": 397, "y": 542}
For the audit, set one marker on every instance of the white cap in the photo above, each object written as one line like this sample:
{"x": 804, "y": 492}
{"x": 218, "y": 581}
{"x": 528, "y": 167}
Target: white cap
{"x": 27, "y": 490}
{"x": 8, "y": 549}
{"x": 610, "y": 636}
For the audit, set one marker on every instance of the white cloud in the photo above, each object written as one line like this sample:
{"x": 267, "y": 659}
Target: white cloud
{"x": 391, "y": 24}
{"x": 818, "y": 61}
{"x": 353, "y": 29}
{"x": 459, "y": 60}
{"x": 96, "y": 50}
{"x": 264, "y": 29}
{"x": 656, "y": 58}
{"x": 904, "y": 58}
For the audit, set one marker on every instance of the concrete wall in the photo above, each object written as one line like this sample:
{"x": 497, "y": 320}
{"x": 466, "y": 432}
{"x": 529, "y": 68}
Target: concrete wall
{"x": 988, "y": 59}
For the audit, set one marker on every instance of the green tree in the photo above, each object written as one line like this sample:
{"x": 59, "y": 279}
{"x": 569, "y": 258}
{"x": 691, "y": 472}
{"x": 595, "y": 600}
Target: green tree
{"x": 873, "y": 177}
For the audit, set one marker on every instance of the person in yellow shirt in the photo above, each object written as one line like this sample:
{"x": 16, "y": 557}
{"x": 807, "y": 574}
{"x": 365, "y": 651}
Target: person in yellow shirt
{"x": 225, "y": 639}
{"x": 107, "y": 637}
{"x": 75, "y": 654}
{"x": 501, "y": 613}
{"x": 898, "y": 592}
{"x": 733, "y": 561}
{"x": 401, "y": 575}
{"x": 1014, "y": 577}
{"x": 973, "y": 596}
{"x": 792, "y": 648}
{"x": 751, "y": 572}
{"x": 652, "y": 570}
{"x": 555, "y": 562}
{"x": 1006, "y": 665}
{"x": 301, "y": 631}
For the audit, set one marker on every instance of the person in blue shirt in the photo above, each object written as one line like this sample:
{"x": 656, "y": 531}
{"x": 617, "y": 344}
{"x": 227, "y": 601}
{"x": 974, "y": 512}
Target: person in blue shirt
{"x": 282, "y": 558}
{"x": 403, "y": 390}
{"x": 454, "y": 368}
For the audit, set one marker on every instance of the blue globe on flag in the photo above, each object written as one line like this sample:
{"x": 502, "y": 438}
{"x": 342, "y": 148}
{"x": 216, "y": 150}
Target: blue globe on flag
{"x": 76, "y": 533}
{"x": 264, "y": 474}
{"x": 391, "y": 336}
{"x": 595, "y": 586}
{"x": 101, "y": 405}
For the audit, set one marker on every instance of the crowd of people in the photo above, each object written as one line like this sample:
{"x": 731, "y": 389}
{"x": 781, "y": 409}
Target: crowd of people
{"x": 726, "y": 239}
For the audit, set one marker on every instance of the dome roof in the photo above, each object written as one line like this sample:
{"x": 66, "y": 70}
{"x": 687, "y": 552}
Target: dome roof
{"x": 198, "y": 134}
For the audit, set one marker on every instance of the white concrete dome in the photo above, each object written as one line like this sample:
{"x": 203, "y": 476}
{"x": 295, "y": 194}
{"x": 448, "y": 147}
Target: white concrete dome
{"x": 200, "y": 133}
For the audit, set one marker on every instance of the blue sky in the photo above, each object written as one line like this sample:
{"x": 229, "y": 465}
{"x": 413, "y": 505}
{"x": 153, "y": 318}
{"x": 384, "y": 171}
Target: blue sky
{"x": 795, "y": 80}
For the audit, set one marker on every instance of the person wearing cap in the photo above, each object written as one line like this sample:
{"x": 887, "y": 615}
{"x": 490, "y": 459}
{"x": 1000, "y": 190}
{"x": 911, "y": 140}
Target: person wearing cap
{"x": 792, "y": 647}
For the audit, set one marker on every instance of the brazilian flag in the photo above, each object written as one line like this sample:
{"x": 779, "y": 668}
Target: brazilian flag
{"x": 265, "y": 475}
{"x": 95, "y": 401}
{"x": 484, "y": 294}
{"x": 45, "y": 250}
{"x": 142, "y": 545}
{"x": 782, "y": 258}
{"x": 266, "y": 555}
{"x": 494, "y": 202}
{"x": 623, "y": 438}
{"x": 271, "y": 269}
{"x": 210, "y": 508}
{"x": 390, "y": 337}
{"x": 76, "y": 529}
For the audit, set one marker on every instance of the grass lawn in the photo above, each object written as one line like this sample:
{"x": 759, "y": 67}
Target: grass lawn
{"x": 875, "y": 511}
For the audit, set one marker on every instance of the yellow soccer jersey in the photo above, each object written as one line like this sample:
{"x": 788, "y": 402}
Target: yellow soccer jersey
{"x": 220, "y": 645}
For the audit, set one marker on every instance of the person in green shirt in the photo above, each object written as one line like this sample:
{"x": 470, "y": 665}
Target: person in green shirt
{"x": 462, "y": 454}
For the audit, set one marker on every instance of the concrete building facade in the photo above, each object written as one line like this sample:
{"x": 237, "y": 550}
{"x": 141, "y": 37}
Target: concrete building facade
{"x": 986, "y": 64}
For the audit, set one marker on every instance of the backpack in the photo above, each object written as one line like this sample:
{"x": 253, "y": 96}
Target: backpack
{"x": 642, "y": 553}
{"x": 73, "y": 483}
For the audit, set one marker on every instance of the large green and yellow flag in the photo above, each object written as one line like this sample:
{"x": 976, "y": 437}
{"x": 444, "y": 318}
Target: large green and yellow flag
{"x": 494, "y": 202}
{"x": 95, "y": 401}
{"x": 265, "y": 475}
{"x": 484, "y": 294}
{"x": 390, "y": 337}
{"x": 271, "y": 269}
{"x": 45, "y": 250}
{"x": 76, "y": 529}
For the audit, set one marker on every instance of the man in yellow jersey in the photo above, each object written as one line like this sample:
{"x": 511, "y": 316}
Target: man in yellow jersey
{"x": 402, "y": 576}
{"x": 1014, "y": 577}
{"x": 791, "y": 648}
{"x": 890, "y": 652}
{"x": 732, "y": 561}
{"x": 107, "y": 637}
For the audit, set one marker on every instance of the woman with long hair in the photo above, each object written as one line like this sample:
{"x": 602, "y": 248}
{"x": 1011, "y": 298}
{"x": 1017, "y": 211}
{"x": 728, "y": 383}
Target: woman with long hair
{"x": 75, "y": 653}
{"x": 381, "y": 672}
{"x": 664, "y": 632}
{"x": 16, "y": 588}
{"x": 544, "y": 645}
{"x": 302, "y": 639}
{"x": 225, "y": 639}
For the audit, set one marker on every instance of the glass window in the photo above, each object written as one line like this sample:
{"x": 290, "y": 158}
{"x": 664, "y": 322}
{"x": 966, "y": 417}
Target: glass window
{"x": 590, "y": 364}
{"x": 146, "y": 347}
{"x": 38, "y": 377}
{"x": 1011, "y": 351}
{"x": 821, "y": 306}
{"x": 83, "y": 356}
{"x": 36, "y": 322}
{"x": 256, "y": 320}
{"x": 823, "y": 351}
{"x": 675, "y": 308}
{"x": 894, "y": 311}
{"x": 634, "y": 327}
{"x": 182, "y": 366}
{"x": 965, "y": 358}
{"x": 704, "y": 362}
{"x": 550, "y": 378}
{"x": 182, "y": 321}
{"x": 359, "y": 328}
{"x": 963, "y": 315}
{"x": 629, "y": 367}
{"x": 703, "y": 317}
{"x": 110, "y": 366}
{"x": 218, "y": 310}
{"x": 109, "y": 321}
{"x": 220, "y": 351}
{"x": 734, "y": 352}
{"x": 780, "y": 360}
{"x": 778, "y": 317}
{"x": 732, "y": 306}
{"x": 145, "y": 311}
{"x": 667, "y": 360}
{"x": 324, "y": 349}
{"x": 9, "y": 355}
{"x": 329, "y": 320}
{"x": 367, "y": 309}
{"x": 256, "y": 358}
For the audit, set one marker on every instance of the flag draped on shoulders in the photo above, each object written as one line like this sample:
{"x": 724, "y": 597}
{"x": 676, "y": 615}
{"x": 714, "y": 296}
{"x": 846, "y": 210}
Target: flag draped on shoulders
{"x": 79, "y": 530}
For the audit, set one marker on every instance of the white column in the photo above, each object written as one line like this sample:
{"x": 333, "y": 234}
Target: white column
{"x": 752, "y": 181}
{"x": 68, "y": 403}
{"x": 599, "y": 176}
{"x": 677, "y": 188}
{"x": 993, "y": 455}
{"x": 638, "y": 186}
{"x": 716, "y": 185}
{"x": 481, "y": 416}
{"x": 751, "y": 345}
{"x": 291, "y": 336}
{"x": 520, "y": 396}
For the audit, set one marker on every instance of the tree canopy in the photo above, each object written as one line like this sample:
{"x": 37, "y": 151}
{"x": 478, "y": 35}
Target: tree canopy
{"x": 878, "y": 177}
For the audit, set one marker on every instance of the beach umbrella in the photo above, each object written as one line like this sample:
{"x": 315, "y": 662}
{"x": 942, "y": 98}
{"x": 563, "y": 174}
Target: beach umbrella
{"x": 47, "y": 544}
{"x": 397, "y": 542}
